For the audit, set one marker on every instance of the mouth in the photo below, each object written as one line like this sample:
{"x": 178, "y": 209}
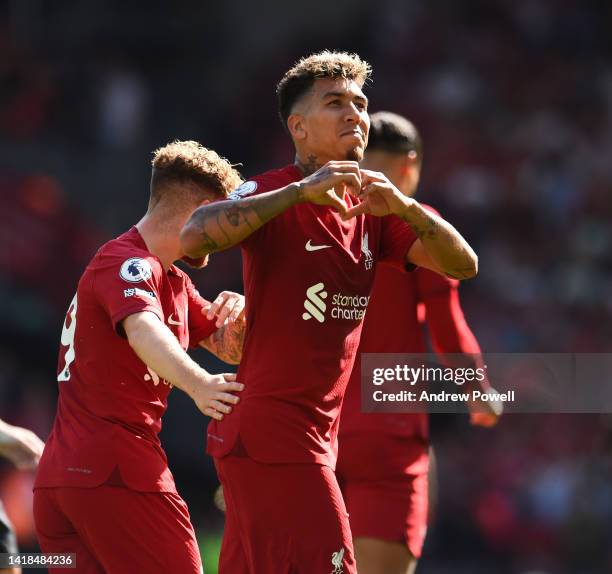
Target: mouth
{"x": 354, "y": 133}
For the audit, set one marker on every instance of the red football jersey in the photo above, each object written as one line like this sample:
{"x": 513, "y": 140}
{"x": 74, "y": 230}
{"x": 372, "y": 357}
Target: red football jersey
{"x": 308, "y": 277}
{"x": 392, "y": 325}
{"x": 110, "y": 403}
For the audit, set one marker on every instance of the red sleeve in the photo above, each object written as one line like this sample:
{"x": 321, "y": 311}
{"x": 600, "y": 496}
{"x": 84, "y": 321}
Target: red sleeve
{"x": 255, "y": 186}
{"x": 126, "y": 285}
{"x": 396, "y": 240}
{"x": 446, "y": 322}
{"x": 199, "y": 326}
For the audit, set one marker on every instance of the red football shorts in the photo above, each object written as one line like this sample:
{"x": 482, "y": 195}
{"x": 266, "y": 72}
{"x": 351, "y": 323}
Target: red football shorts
{"x": 383, "y": 501}
{"x": 283, "y": 519}
{"x": 115, "y": 530}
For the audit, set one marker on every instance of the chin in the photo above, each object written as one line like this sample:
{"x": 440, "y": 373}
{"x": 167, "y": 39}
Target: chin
{"x": 196, "y": 263}
{"x": 354, "y": 154}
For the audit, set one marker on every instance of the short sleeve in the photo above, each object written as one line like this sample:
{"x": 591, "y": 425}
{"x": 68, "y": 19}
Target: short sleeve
{"x": 125, "y": 285}
{"x": 199, "y": 326}
{"x": 250, "y": 188}
{"x": 396, "y": 240}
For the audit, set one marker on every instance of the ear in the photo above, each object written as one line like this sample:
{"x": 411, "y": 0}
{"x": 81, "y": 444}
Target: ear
{"x": 297, "y": 126}
{"x": 410, "y": 161}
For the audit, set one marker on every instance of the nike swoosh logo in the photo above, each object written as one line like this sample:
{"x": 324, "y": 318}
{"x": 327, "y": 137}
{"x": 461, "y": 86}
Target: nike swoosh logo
{"x": 171, "y": 321}
{"x": 311, "y": 247}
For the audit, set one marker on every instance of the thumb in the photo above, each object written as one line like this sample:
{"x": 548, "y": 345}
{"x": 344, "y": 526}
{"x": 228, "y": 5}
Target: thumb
{"x": 333, "y": 200}
{"x": 356, "y": 210}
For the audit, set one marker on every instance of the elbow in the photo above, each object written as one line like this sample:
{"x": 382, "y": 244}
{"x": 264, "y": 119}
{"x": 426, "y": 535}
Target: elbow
{"x": 191, "y": 243}
{"x": 467, "y": 271}
{"x": 473, "y": 268}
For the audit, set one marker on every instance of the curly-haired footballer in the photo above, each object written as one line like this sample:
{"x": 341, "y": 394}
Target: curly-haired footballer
{"x": 104, "y": 490}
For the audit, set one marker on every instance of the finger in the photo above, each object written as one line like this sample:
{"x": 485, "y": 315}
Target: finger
{"x": 345, "y": 166}
{"x": 356, "y": 210}
{"x": 229, "y": 376}
{"x": 227, "y": 398}
{"x": 221, "y": 407}
{"x": 225, "y": 311}
{"x": 237, "y": 312}
{"x": 230, "y": 387}
{"x": 216, "y": 304}
{"x": 334, "y": 201}
{"x": 368, "y": 176}
{"x": 351, "y": 180}
{"x": 212, "y": 413}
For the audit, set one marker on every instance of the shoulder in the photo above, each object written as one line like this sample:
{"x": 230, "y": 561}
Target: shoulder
{"x": 429, "y": 208}
{"x": 267, "y": 181}
{"x": 131, "y": 260}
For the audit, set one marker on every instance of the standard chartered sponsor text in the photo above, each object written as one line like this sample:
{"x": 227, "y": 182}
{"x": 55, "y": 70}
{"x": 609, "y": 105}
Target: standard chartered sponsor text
{"x": 347, "y": 307}
{"x": 351, "y": 307}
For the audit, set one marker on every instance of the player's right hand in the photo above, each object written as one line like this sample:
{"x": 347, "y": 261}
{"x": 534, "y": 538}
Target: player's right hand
{"x": 214, "y": 396}
{"x": 327, "y": 185}
{"x": 21, "y": 446}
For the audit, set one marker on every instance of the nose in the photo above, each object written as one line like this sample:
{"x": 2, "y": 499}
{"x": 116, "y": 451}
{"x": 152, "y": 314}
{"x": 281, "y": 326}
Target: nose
{"x": 352, "y": 114}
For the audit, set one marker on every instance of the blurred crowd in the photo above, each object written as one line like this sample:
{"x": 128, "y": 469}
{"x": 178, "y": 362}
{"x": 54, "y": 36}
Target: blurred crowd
{"x": 514, "y": 102}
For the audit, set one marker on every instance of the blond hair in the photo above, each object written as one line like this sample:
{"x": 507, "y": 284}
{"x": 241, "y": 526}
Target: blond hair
{"x": 327, "y": 64}
{"x": 189, "y": 161}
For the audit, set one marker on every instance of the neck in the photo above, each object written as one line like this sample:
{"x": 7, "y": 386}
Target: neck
{"x": 308, "y": 163}
{"x": 161, "y": 236}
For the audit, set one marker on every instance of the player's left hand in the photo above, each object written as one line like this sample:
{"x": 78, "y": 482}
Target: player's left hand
{"x": 228, "y": 306}
{"x": 378, "y": 197}
{"x": 21, "y": 446}
{"x": 485, "y": 413}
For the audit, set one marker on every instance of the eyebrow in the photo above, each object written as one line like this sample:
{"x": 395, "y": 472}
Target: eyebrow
{"x": 344, "y": 95}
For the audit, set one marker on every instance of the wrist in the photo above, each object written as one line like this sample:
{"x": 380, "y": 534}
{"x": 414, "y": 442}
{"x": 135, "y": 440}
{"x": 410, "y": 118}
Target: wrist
{"x": 297, "y": 193}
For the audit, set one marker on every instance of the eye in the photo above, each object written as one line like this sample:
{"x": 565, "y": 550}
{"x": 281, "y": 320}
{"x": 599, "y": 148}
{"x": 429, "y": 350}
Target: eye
{"x": 335, "y": 102}
{"x": 361, "y": 106}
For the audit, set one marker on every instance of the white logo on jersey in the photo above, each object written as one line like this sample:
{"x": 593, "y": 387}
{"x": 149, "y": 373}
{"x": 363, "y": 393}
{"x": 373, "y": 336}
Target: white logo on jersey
{"x": 246, "y": 188}
{"x": 135, "y": 292}
{"x": 67, "y": 340}
{"x": 336, "y": 561}
{"x": 347, "y": 307}
{"x": 172, "y": 321}
{"x": 369, "y": 260}
{"x": 314, "y": 304}
{"x": 311, "y": 247}
{"x": 135, "y": 270}
{"x": 151, "y": 375}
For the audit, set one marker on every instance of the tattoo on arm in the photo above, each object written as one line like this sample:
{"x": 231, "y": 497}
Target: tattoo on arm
{"x": 223, "y": 224}
{"x": 428, "y": 229}
{"x": 227, "y": 342}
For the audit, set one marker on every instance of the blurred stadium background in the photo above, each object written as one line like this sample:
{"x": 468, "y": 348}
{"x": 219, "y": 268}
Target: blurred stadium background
{"x": 514, "y": 101}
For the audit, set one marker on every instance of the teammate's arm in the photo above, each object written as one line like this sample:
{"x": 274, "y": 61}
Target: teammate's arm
{"x": 451, "y": 334}
{"x": 439, "y": 247}
{"x": 227, "y": 341}
{"x": 21, "y": 446}
{"x": 223, "y": 224}
{"x": 159, "y": 349}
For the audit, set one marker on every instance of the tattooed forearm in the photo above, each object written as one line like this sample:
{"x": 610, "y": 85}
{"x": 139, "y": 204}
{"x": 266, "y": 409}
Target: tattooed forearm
{"x": 223, "y": 224}
{"x": 227, "y": 341}
{"x": 427, "y": 228}
{"x": 442, "y": 243}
